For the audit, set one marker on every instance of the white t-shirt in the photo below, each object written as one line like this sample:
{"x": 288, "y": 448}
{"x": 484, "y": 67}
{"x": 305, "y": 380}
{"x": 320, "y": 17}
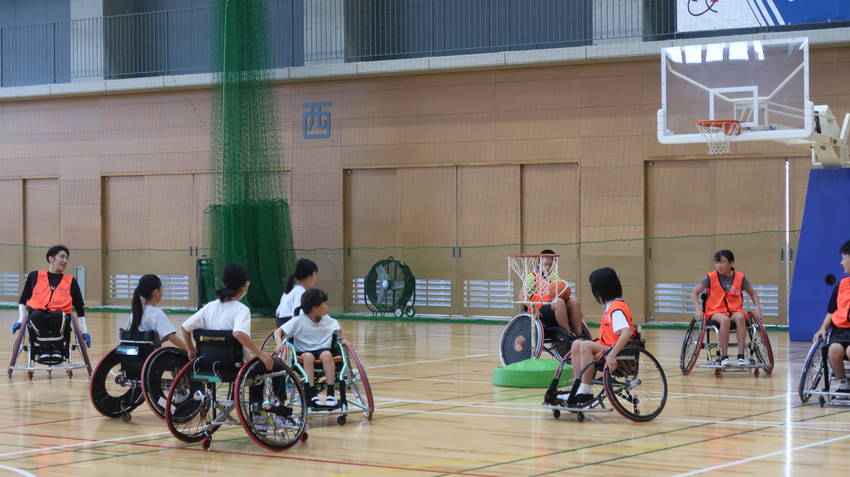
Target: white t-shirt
{"x": 309, "y": 335}
{"x": 154, "y": 319}
{"x": 290, "y": 301}
{"x": 219, "y": 315}
{"x": 618, "y": 319}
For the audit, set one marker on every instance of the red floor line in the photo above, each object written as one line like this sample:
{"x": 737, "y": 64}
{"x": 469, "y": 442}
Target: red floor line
{"x": 269, "y": 456}
{"x": 50, "y": 422}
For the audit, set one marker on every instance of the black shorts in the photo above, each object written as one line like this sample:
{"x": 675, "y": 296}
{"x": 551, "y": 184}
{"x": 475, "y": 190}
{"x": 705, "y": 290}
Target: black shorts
{"x": 840, "y": 336}
{"x": 547, "y": 316}
{"x": 316, "y": 353}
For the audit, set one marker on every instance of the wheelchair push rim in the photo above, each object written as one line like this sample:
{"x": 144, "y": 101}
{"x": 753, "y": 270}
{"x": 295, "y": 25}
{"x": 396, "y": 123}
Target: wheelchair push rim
{"x": 762, "y": 349}
{"x": 692, "y": 345}
{"x": 812, "y": 371}
{"x": 108, "y": 395}
{"x": 155, "y": 384}
{"x": 358, "y": 382}
{"x": 182, "y": 409}
{"x": 637, "y": 389}
{"x": 280, "y": 420}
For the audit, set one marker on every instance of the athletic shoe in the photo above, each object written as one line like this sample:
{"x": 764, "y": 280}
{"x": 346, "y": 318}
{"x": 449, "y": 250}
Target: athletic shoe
{"x": 316, "y": 401}
{"x": 724, "y": 362}
{"x": 742, "y": 362}
{"x": 330, "y": 401}
{"x": 583, "y": 400}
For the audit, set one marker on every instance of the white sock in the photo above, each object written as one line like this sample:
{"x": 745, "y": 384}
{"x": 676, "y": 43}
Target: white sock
{"x": 584, "y": 389}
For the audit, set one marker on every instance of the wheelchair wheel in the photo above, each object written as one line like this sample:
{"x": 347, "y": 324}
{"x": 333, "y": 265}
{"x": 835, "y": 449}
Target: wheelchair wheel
{"x": 269, "y": 345}
{"x": 812, "y": 371}
{"x": 762, "y": 350}
{"x": 637, "y": 389}
{"x": 190, "y": 406}
{"x": 81, "y": 344}
{"x": 692, "y": 345}
{"x": 270, "y": 404}
{"x": 516, "y": 342}
{"x": 111, "y": 393}
{"x": 358, "y": 382}
{"x": 158, "y": 373}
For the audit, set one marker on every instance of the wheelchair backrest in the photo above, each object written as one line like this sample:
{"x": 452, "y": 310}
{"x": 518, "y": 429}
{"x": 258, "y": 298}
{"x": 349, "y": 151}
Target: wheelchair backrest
{"x": 219, "y": 353}
{"x": 134, "y": 348}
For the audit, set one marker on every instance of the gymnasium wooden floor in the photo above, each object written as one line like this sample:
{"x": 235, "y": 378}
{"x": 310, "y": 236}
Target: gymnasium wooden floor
{"x": 438, "y": 414}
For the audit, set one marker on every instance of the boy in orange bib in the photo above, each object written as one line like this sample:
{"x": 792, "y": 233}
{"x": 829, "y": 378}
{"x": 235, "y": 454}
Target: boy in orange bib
{"x": 838, "y": 318}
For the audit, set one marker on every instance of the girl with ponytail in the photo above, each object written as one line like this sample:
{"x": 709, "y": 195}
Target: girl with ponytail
{"x": 303, "y": 278}
{"x": 227, "y": 313}
{"x": 146, "y": 316}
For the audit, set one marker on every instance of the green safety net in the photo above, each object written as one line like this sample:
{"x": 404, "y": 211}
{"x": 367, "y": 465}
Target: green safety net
{"x": 249, "y": 219}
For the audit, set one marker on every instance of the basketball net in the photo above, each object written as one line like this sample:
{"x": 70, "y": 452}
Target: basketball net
{"x": 527, "y": 276}
{"x": 717, "y": 133}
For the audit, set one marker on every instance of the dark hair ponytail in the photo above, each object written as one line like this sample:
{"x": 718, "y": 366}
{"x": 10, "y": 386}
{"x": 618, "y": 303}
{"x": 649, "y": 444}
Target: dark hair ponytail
{"x": 147, "y": 285}
{"x": 309, "y": 300}
{"x": 234, "y": 277}
{"x": 303, "y": 269}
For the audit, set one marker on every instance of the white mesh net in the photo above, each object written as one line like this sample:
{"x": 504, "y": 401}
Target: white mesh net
{"x": 717, "y": 133}
{"x": 530, "y": 275}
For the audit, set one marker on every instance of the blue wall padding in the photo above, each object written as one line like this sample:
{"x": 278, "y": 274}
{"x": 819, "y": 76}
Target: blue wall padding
{"x": 826, "y": 225}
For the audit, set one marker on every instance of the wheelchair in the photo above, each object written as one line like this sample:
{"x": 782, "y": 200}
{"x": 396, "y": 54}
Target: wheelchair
{"x": 757, "y": 350}
{"x": 28, "y": 341}
{"x": 637, "y": 389}
{"x": 525, "y": 337}
{"x": 207, "y": 391}
{"x": 818, "y": 379}
{"x": 135, "y": 371}
{"x": 355, "y": 393}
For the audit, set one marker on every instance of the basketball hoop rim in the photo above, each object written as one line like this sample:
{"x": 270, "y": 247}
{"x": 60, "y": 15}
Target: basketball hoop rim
{"x": 730, "y": 127}
{"x": 533, "y": 255}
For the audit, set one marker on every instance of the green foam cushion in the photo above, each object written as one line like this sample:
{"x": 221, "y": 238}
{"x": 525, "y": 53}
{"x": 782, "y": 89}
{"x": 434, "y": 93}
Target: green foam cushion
{"x": 531, "y": 373}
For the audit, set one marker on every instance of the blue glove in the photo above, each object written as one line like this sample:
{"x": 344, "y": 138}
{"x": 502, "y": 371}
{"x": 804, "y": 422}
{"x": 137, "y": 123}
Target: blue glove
{"x": 87, "y": 339}
{"x": 15, "y": 327}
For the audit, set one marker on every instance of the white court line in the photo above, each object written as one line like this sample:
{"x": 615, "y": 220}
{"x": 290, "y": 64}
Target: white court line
{"x": 764, "y": 456}
{"x": 432, "y": 360}
{"x": 80, "y": 444}
{"x": 16, "y": 470}
{"x": 468, "y": 414}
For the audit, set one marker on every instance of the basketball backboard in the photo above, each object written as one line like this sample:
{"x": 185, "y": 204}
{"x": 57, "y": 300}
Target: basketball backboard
{"x": 762, "y": 83}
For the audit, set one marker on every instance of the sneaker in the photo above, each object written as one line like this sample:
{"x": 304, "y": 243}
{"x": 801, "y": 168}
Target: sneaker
{"x": 44, "y": 356}
{"x": 583, "y": 400}
{"x": 563, "y": 396}
{"x": 57, "y": 356}
{"x": 316, "y": 401}
{"x": 742, "y": 362}
{"x": 725, "y": 361}
{"x": 330, "y": 401}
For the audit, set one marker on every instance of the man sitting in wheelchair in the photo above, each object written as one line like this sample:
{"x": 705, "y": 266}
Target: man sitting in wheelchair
{"x": 838, "y": 318}
{"x": 725, "y": 304}
{"x": 312, "y": 331}
{"x": 615, "y": 331}
{"x": 48, "y": 298}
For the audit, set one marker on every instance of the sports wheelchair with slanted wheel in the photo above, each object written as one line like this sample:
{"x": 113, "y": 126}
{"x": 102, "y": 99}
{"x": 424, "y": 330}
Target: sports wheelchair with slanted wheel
{"x": 207, "y": 390}
{"x": 637, "y": 389}
{"x": 355, "y": 393}
{"x": 525, "y": 337}
{"x": 136, "y": 370}
{"x": 818, "y": 379}
{"x": 757, "y": 350}
{"x": 39, "y": 349}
